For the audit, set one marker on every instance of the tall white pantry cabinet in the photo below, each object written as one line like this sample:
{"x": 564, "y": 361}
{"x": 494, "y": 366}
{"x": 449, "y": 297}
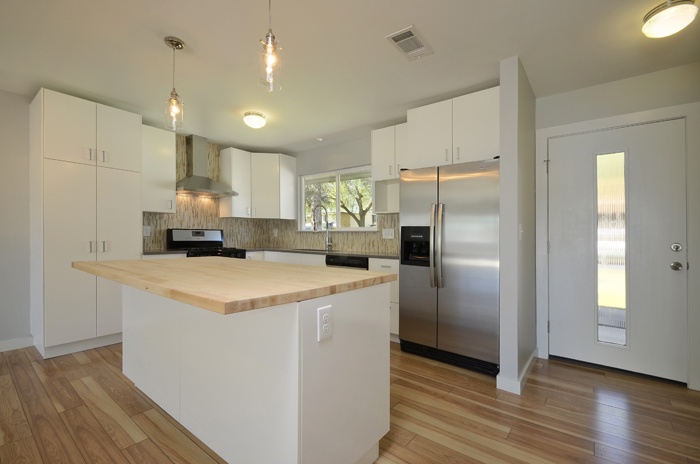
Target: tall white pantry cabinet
{"x": 85, "y": 205}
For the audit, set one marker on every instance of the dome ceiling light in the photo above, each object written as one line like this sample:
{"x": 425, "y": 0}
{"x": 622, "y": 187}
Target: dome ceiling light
{"x": 254, "y": 119}
{"x": 668, "y": 18}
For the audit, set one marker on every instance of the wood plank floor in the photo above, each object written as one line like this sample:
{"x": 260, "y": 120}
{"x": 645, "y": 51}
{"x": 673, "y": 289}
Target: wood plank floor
{"x": 79, "y": 408}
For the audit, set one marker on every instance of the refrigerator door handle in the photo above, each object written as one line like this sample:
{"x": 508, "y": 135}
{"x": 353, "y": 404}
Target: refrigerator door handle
{"x": 438, "y": 243}
{"x": 431, "y": 233}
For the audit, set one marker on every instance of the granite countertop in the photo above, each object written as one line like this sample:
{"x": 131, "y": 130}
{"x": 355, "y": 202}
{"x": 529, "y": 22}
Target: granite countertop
{"x": 226, "y": 286}
{"x": 287, "y": 250}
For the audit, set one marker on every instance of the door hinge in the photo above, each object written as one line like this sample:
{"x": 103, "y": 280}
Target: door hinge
{"x": 547, "y": 326}
{"x": 546, "y": 165}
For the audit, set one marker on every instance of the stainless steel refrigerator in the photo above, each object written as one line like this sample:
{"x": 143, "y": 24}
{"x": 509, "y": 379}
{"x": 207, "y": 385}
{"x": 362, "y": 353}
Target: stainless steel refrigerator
{"x": 449, "y": 267}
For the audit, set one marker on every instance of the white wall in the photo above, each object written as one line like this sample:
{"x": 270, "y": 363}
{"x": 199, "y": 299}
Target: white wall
{"x": 14, "y": 222}
{"x": 662, "y": 94}
{"x": 670, "y": 87}
{"x": 348, "y": 154}
{"x": 518, "y": 341}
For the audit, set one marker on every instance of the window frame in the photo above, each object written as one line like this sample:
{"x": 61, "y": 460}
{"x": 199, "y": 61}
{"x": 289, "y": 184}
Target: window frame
{"x": 337, "y": 173}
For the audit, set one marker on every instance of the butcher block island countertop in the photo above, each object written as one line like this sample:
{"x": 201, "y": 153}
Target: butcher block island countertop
{"x": 226, "y": 285}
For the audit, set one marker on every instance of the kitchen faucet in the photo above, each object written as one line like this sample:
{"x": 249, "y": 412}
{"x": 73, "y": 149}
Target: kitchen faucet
{"x": 329, "y": 242}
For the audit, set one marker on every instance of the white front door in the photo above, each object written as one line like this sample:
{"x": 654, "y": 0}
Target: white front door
{"x": 618, "y": 251}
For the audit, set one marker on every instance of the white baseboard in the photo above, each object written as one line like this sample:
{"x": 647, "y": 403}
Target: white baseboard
{"x": 516, "y": 386}
{"x": 16, "y": 343}
{"x": 60, "y": 350}
{"x": 394, "y": 338}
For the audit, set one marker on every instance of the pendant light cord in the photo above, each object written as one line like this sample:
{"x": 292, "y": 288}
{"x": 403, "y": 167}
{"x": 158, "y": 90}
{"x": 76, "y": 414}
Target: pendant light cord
{"x": 269, "y": 12}
{"x": 173, "y": 67}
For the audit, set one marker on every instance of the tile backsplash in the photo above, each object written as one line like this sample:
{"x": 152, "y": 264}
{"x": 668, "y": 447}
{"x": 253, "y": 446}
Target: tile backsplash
{"x": 203, "y": 213}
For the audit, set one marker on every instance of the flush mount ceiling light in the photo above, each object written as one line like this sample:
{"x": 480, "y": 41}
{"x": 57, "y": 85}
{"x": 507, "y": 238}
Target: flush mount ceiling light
{"x": 270, "y": 58}
{"x": 254, "y": 119}
{"x": 669, "y": 18}
{"x": 174, "y": 106}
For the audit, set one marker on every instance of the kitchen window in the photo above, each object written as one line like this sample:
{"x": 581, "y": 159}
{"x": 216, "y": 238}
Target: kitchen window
{"x": 338, "y": 200}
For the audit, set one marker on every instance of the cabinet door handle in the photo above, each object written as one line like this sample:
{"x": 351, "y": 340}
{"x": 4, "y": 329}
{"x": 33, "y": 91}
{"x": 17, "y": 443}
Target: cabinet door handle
{"x": 447, "y": 150}
{"x": 104, "y": 156}
{"x": 90, "y": 155}
{"x": 390, "y": 173}
{"x": 385, "y": 266}
{"x": 90, "y": 246}
{"x": 104, "y": 246}
{"x": 247, "y": 210}
{"x": 170, "y": 204}
{"x": 457, "y": 152}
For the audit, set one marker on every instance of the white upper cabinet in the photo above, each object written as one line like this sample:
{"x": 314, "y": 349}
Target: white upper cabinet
{"x": 476, "y": 126}
{"x": 235, "y": 172}
{"x": 158, "y": 170}
{"x": 463, "y": 129}
{"x": 85, "y": 132}
{"x": 429, "y": 136}
{"x": 388, "y": 152}
{"x": 118, "y": 139}
{"x": 273, "y": 186}
{"x": 266, "y": 184}
{"x": 383, "y": 159}
{"x": 69, "y": 125}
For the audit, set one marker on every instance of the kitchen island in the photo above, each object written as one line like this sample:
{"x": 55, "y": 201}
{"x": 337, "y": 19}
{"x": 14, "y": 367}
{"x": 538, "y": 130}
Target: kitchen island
{"x": 239, "y": 352}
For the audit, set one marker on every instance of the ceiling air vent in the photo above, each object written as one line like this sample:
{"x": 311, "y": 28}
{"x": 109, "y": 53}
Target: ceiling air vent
{"x": 409, "y": 43}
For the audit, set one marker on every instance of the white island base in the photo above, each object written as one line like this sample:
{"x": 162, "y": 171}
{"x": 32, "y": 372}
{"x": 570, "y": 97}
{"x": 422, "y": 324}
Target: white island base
{"x": 257, "y": 386}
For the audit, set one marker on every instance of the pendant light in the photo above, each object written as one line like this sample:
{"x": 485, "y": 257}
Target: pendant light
{"x": 174, "y": 107}
{"x": 669, "y": 17}
{"x": 270, "y": 58}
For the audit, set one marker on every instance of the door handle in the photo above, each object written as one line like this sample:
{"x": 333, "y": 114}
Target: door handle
{"x": 676, "y": 266}
{"x": 431, "y": 233}
{"x": 438, "y": 239}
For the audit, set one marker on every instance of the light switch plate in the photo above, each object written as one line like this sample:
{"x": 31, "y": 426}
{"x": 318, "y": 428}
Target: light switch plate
{"x": 324, "y": 322}
{"x": 388, "y": 233}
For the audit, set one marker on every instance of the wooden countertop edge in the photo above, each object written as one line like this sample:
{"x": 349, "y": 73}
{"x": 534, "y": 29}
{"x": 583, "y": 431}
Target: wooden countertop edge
{"x": 204, "y": 300}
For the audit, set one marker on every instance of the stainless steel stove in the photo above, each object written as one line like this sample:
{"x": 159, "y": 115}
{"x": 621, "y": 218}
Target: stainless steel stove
{"x": 201, "y": 242}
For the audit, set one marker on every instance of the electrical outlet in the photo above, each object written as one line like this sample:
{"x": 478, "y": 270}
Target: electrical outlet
{"x": 146, "y": 231}
{"x": 388, "y": 233}
{"x": 274, "y": 232}
{"x": 324, "y": 322}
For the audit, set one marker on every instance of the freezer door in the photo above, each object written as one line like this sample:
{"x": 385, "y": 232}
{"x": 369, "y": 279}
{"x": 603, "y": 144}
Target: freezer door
{"x": 468, "y": 302}
{"x": 418, "y": 311}
{"x": 417, "y": 191}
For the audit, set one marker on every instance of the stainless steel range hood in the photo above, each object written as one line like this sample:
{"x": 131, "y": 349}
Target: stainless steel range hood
{"x": 196, "y": 180}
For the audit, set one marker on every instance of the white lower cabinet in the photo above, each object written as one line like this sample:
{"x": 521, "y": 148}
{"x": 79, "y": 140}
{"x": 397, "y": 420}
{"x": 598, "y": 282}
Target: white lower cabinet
{"x": 390, "y": 265}
{"x": 312, "y": 259}
{"x": 69, "y": 234}
{"x": 255, "y": 255}
{"x": 308, "y": 259}
{"x": 89, "y": 213}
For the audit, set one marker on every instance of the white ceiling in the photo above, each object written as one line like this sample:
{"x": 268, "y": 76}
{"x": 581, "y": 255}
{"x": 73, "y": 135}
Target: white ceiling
{"x": 341, "y": 77}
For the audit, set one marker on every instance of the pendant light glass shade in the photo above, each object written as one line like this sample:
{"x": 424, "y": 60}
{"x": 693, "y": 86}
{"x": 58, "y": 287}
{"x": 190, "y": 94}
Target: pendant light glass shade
{"x": 269, "y": 59}
{"x": 669, "y": 17}
{"x": 174, "y": 106}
